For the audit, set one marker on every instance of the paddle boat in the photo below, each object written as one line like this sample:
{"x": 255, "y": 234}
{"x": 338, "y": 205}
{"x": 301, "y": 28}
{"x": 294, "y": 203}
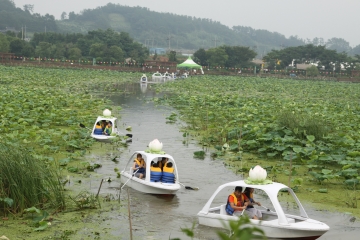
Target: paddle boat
{"x": 157, "y": 77}
{"x": 143, "y": 78}
{"x": 168, "y": 76}
{"x": 143, "y": 87}
{"x": 155, "y": 180}
{"x": 109, "y": 122}
{"x": 277, "y": 221}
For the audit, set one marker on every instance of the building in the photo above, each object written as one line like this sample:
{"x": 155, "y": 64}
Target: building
{"x": 158, "y": 51}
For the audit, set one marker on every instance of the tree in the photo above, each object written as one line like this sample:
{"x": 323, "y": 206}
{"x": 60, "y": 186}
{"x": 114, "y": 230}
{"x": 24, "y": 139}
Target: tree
{"x": 74, "y": 53}
{"x": 116, "y": 53}
{"x": 172, "y": 56}
{"x": 200, "y": 55}
{"x": 4, "y": 44}
{"x": 72, "y": 16}
{"x": 97, "y": 50}
{"x": 16, "y": 46}
{"x": 63, "y": 15}
{"x": 216, "y": 57}
{"x": 238, "y": 56}
{"x": 312, "y": 71}
{"x": 338, "y": 44}
{"x": 28, "y": 50}
{"x": 43, "y": 49}
{"x": 28, "y": 8}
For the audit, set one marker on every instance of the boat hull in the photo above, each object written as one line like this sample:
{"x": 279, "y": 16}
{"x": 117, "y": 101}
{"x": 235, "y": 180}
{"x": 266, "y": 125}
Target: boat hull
{"x": 148, "y": 187}
{"x": 307, "y": 229}
{"x": 102, "y": 138}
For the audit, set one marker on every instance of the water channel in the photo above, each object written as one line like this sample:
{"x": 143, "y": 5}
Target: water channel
{"x": 157, "y": 217}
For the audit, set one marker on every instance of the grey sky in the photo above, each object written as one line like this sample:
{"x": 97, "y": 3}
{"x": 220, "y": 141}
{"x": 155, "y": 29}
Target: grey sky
{"x": 304, "y": 18}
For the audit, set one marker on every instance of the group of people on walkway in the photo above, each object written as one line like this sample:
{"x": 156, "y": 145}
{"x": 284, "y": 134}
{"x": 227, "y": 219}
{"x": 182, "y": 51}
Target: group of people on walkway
{"x": 240, "y": 202}
{"x": 103, "y": 128}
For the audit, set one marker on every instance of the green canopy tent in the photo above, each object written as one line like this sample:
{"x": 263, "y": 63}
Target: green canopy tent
{"x": 190, "y": 64}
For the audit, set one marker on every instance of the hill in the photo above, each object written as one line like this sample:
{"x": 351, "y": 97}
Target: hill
{"x": 168, "y": 30}
{"x": 17, "y": 19}
{"x": 154, "y": 29}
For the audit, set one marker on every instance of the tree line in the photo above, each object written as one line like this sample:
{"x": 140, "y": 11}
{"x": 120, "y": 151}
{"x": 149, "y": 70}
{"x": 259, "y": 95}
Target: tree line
{"x": 107, "y": 45}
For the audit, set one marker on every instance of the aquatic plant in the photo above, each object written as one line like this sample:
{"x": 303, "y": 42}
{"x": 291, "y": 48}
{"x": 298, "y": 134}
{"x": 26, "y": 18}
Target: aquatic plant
{"x": 27, "y": 181}
{"x": 306, "y": 122}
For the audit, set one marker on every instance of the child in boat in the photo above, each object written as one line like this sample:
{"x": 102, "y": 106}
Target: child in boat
{"x": 98, "y": 130}
{"x": 250, "y": 210}
{"x": 155, "y": 172}
{"x": 108, "y": 129}
{"x": 139, "y": 166}
{"x": 168, "y": 173}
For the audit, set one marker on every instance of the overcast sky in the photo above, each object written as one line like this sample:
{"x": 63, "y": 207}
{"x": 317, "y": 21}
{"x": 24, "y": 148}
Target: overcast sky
{"x": 304, "y": 18}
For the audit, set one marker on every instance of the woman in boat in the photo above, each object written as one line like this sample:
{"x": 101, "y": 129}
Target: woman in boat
{"x": 237, "y": 203}
{"x": 98, "y": 130}
{"x": 108, "y": 129}
{"x": 139, "y": 166}
{"x": 250, "y": 210}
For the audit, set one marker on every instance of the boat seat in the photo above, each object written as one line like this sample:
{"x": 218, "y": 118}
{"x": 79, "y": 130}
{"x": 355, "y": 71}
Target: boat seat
{"x": 222, "y": 209}
{"x": 131, "y": 171}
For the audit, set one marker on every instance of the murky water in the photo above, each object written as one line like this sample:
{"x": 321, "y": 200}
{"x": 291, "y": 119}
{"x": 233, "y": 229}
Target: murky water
{"x": 157, "y": 217}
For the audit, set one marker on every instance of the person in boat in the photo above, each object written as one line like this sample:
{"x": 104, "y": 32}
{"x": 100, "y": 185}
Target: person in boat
{"x": 103, "y": 125}
{"x": 139, "y": 166}
{"x": 163, "y": 162}
{"x": 108, "y": 129}
{"x": 155, "y": 172}
{"x": 98, "y": 130}
{"x": 250, "y": 210}
{"x": 168, "y": 175}
{"x": 237, "y": 203}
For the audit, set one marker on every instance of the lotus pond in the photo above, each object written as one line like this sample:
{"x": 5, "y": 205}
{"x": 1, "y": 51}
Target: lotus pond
{"x": 305, "y": 133}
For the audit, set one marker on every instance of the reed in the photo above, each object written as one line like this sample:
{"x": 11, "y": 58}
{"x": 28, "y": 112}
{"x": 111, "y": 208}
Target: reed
{"x": 304, "y": 124}
{"x": 27, "y": 181}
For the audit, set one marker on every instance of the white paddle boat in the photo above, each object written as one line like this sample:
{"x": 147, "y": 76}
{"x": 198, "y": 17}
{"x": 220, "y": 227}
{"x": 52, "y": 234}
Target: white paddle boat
{"x": 106, "y": 128}
{"x": 143, "y": 78}
{"x": 278, "y": 221}
{"x": 156, "y": 181}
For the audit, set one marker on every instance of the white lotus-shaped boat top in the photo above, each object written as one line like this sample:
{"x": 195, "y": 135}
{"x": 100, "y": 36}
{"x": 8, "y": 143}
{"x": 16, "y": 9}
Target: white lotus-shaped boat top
{"x": 107, "y": 113}
{"x": 257, "y": 174}
{"x": 155, "y": 145}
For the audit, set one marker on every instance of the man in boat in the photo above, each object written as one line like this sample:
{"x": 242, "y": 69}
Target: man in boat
{"x": 237, "y": 203}
{"x": 139, "y": 166}
{"x": 108, "y": 128}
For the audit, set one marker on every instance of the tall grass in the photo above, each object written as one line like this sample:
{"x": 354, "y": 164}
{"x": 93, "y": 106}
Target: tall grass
{"x": 27, "y": 181}
{"x": 304, "y": 124}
